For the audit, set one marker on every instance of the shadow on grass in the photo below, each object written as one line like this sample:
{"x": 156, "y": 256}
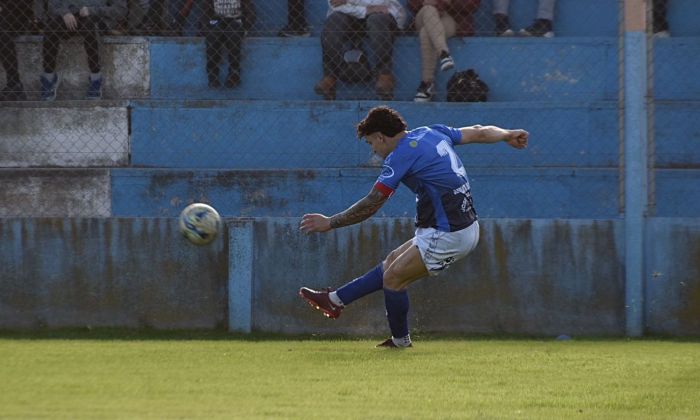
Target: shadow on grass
{"x": 147, "y": 334}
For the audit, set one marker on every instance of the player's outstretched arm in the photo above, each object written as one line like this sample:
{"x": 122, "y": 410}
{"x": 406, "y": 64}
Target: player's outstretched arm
{"x": 492, "y": 134}
{"x": 356, "y": 213}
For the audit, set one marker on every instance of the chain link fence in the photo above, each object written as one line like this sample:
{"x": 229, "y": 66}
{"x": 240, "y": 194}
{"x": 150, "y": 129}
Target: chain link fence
{"x": 180, "y": 86}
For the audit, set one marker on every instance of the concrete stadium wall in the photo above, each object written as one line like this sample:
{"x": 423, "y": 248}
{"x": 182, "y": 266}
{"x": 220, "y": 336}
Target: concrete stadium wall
{"x": 673, "y": 276}
{"x": 55, "y": 193}
{"x": 543, "y": 277}
{"x": 70, "y": 134}
{"x": 578, "y": 69}
{"x": 531, "y": 193}
{"x": 109, "y": 273}
{"x": 535, "y": 277}
{"x": 283, "y": 135}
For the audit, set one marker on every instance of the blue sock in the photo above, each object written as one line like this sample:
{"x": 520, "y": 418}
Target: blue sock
{"x": 396, "y": 303}
{"x": 370, "y": 282}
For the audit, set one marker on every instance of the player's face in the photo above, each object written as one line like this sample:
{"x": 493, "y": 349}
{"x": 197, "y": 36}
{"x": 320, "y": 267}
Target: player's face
{"x": 378, "y": 143}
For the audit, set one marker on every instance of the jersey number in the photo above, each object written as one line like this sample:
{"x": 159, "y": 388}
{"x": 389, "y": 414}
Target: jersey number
{"x": 444, "y": 149}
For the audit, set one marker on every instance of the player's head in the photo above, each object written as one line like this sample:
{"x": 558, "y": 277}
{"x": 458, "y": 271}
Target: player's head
{"x": 380, "y": 124}
{"x": 381, "y": 119}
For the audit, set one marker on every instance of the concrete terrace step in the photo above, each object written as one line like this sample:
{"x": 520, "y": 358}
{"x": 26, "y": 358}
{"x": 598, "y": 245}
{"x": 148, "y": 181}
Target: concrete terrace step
{"x": 498, "y": 192}
{"x": 516, "y": 69}
{"x": 277, "y": 134}
{"x": 524, "y": 192}
{"x": 64, "y": 134}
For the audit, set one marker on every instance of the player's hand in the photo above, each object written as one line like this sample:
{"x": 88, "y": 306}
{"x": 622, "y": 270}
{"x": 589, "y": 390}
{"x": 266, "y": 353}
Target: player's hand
{"x": 315, "y": 223}
{"x": 84, "y": 12}
{"x": 70, "y": 21}
{"x": 517, "y": 138}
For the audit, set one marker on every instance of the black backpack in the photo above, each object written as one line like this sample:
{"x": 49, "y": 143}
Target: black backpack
{"x": 465, "y": 86}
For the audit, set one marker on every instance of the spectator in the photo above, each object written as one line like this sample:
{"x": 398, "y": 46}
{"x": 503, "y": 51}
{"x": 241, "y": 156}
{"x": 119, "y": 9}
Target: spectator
{"x": 349, "y": 21}
{"x": 659, "y": 22}
{"x": 88, "y": 19}
{"x": 437, "y": 20}
{"x": 296, "y": 20}
{"x": 541, "y": 27}
{"x": 225, "y": 22}
{"x": 13, "y": 20}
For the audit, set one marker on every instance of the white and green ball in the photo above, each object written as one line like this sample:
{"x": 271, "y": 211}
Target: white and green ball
{"x": 199, "y": 223}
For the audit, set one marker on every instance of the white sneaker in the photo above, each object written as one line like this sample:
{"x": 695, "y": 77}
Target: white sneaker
{"x": 425, "y": 92}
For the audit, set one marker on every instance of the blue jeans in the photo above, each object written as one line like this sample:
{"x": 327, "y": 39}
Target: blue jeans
{"x": 341, "y": 28}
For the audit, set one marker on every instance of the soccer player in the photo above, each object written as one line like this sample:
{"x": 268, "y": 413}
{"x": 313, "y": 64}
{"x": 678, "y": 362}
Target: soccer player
{"x": 446, "y": 222}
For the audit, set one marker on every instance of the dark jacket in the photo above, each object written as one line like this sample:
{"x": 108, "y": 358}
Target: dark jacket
{"x": 461, "y": 10}
{"x": 247, "y": 11}
{"x": 111, "y": 11}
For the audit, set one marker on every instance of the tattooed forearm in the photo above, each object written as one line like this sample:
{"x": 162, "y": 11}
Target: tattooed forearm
{"x": 359, "y": 211}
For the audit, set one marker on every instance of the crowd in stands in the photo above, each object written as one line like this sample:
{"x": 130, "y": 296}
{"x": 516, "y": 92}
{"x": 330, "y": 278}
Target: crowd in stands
{"x": 350, "y": 26}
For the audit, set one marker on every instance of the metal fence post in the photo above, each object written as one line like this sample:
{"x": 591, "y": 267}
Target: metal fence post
{"x": 635, "y": 161}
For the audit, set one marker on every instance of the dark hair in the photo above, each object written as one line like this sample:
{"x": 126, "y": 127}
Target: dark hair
{"x": 381, "y": 119}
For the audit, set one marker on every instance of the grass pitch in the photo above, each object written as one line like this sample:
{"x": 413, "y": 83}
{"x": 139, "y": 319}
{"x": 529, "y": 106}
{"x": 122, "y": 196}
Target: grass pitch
{"x": 211, "y": 375}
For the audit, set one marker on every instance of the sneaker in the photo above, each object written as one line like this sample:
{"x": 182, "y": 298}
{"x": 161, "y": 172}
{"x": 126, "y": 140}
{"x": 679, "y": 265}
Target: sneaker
{"x": 425, "y": 92}
{"x": 233, "y": 80}
{"x": 662, "y": 34}
{"x": 49, "y": 87}
{"x": 539, "y": 28}
{"x": 13, "y": 92}
{"x": 389, "y": 344}
{"x": 94, "y": 89}
{"x": 446, "y": 61}
{"x": 385, "y": 87}
{"x": 318, "y": 299}
{"x": 326, "y": 87}
{"x": 291, "y": 32}
{"x": 503, "y": 25}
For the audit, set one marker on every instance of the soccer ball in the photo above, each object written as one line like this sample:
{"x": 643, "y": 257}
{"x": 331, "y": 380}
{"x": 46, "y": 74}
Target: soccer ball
{"x": 199, "y": 223}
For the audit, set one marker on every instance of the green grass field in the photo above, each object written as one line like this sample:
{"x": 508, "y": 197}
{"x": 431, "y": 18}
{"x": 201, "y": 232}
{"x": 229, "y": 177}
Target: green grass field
{"x": 214, "y": 375}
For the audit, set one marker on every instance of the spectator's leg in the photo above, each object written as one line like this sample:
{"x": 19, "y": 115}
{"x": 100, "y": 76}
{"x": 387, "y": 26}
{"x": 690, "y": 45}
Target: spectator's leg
{"x": 338, "y": 28}
{"x": 545, "y": 10}
{"x": 89, "y": 28}
{"x": 500, "y": 7}
{"x": 659, "y": 11}
{"x": 429, "y": 54}
{"x": 53, "y": 33}
{"x": 233, "y": 40}
{"x": 296, "y": 18}
{"x": 213, "y": 48}
{"x": 380, "y": 30}
{"x": 8, "y": 53}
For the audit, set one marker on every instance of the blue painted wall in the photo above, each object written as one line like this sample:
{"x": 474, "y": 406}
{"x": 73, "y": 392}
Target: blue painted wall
{"x": 276, "y": 134}
{"x": 111, "y": 272}
{"x": 673, "y": 276}
{"x": 529, "y": 193}
{"x": 572, "y": 17}
{"x": 579, "y": 69}
{"x": 545, "y": 277}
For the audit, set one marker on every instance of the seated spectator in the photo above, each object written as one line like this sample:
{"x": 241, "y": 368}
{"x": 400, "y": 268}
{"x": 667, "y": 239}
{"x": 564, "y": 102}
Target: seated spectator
{"x": 87, "y": 19}
{"x": 659, "y": 22}
{"x": 541, "y": 27}
{"x": 296, "y": 20}
{"x": 347, "y": 20}
{"x": 437, "y": 20}
{"x": 225, "y": 22}
{"x": 12, "y": 23}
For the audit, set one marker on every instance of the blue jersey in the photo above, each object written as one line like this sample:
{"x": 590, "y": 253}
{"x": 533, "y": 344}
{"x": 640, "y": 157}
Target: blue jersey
{"x": 425, "y": 161}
